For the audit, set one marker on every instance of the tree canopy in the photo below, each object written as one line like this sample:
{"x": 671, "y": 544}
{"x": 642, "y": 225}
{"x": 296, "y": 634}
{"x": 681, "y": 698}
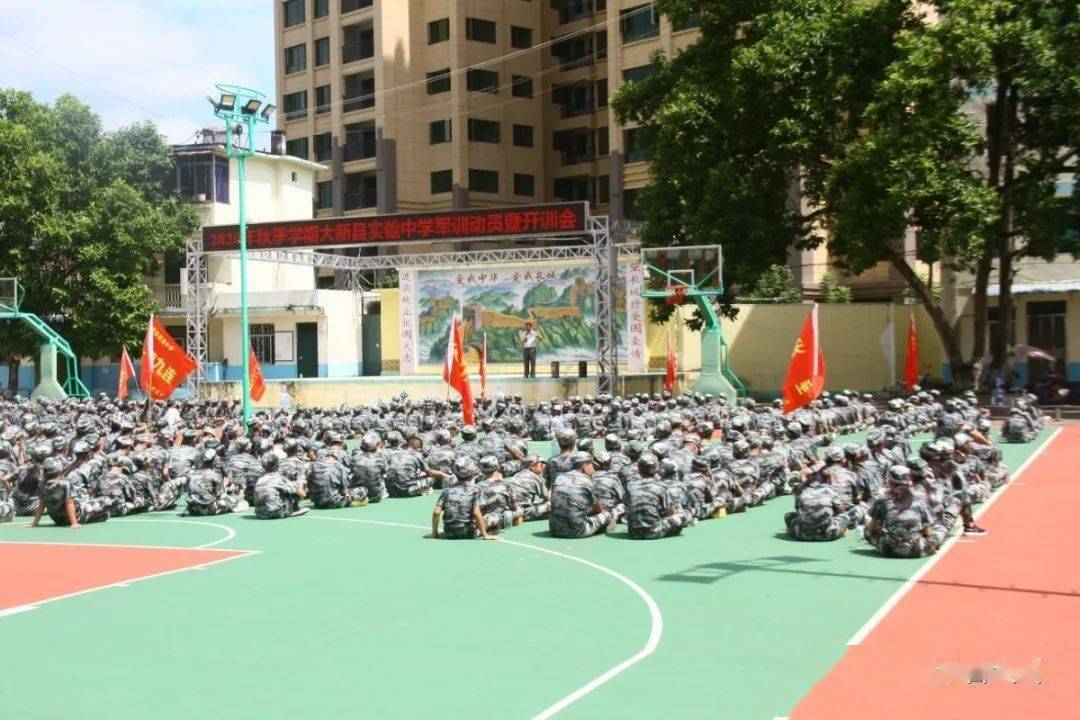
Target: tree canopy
{"x": 856, "y": 124}
{"x": 84, "y": 215}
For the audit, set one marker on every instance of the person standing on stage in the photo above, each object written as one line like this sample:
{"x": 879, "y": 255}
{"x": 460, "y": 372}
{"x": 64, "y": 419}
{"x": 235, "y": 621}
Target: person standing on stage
{"x": 528, "y": 338}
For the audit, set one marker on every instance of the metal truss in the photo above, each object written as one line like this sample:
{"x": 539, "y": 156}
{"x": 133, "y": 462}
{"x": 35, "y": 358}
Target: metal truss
{"x": 598, "y": 246}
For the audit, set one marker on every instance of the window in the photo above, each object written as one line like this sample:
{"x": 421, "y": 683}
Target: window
{"x": 1046, "y": 330}
{"x": 574, "y": 99}
{"x": 295, "y": 58}
{"x": 221, "y": 180}
{"x": 572, "y": 189}
{"x": 293, "y": 12}
{"x": 262, "y": 342}
{"x": 324, "y": 195}
{"x": 482, "y": 81}
{"x": 479, "y": 30}
{"x": 357, "y": 42}
{"x": 638, "y": 23}
{"x": 634, "y": 145}
{"x": 692, "y": 21}
{"x": 442, "y": 181}
{"x": 438, "y": 81}
{"x": 520, "y": 37}
{"x": 639, "y": 73}
{"x": 631, "y": 211}
{"x": 193, "y": 176}
{"x": 602, "y": 147}
{"x": 324, "y": 147}
{"x": 571, "y": 10}
{"x": 601, "y": 92}
{"x": 576, "y": 145}
{"x": 521, "y": 86}
{"x": 524, "y": 185}
{"x": 574, "y": 52}
{"x": 322, "y": 52}
{"x": 523, "y": 135}
{"x": 348, "y": 6}
{"x": 295, "y": 105}
{"x": 174, "y": 267}
{"x": 485, "y": 181}
{"x": 322, "y": 8}
{"x": 359, "y": 91}
{"x": 360, "y": 190}
{"x": 322, "y": 100}
{"x": 603, "y": 189}
{"x": 438, "y": 31}
{"x": 483, "y": 130}
{"x": 359, "y": 141}
{"x": 440, "y": 132}
{"x": 297, "y": 148}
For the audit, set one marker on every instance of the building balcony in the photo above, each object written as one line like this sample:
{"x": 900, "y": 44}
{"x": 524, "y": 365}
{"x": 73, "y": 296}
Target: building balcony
{"x": 169, "y": 297}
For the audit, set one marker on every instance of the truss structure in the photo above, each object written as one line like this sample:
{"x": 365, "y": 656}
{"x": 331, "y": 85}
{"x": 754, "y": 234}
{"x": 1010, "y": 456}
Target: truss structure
{"x": 597, "y": 245}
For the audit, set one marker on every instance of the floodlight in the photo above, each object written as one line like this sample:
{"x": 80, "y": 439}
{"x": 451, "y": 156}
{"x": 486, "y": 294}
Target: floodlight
{"x": 252, "y": 106}
{"x": 228, "y": 101}
{"x": 267, "y": 111}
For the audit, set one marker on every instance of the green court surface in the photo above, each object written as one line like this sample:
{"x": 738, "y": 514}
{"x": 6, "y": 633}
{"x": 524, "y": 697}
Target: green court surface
{"x": 353, "y": 613}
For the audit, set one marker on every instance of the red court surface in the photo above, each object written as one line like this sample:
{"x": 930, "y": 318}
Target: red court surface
{"x": 41, "y": 572}
{"x": 1002, "y": 610}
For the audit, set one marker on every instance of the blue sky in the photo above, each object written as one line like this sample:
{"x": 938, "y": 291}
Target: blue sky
{"x": 136, "y": 60}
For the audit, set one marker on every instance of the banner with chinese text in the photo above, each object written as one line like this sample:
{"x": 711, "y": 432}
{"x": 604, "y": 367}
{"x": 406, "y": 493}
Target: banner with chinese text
{"x": 407, "y": 320}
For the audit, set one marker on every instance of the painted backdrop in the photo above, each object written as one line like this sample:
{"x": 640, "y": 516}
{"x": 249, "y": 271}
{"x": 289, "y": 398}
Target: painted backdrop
{"x": 560, "y": 298}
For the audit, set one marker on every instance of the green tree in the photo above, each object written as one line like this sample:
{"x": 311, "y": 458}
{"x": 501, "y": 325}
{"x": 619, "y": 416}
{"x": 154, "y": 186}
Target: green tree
{"x": 832, "y": 291}
{"x": 777, "y": 282}
{"x": 858, "y": 124}
{"x": 84, "y": 215}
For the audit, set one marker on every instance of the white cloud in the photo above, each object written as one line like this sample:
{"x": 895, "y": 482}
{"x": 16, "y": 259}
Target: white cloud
{"x": 137, "y": 59}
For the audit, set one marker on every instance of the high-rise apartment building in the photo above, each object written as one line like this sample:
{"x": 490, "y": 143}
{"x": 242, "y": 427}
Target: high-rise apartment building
{"x": 417, "y": 105}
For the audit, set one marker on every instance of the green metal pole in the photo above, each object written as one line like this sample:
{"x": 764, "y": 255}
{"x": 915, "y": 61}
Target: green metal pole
{"x": 245, "y": 330}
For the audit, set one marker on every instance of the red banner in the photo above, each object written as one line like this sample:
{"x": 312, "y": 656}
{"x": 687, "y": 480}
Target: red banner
{"x": 806, "y": 372}
{"x": 911, "y": 368}
{"x": 164, "y": 363}
{"x": 257, "y": 386}
{"x": 455, "y": 224}
{"x": 672, "y": 366}
{"x": 127, "y": 372}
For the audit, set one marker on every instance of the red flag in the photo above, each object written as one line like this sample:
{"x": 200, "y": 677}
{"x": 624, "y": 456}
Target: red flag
{"x": 459, "y": 376}
{"x": 806, "y": 372}
{"x": 256, "y": 385}
{"x": 127, "y": 372}
{"x": 911, "y": 370}
{"x": 483, "y": 368}
{"x": 672, "y": 366}
{"x": 449, "y": 360}
{"x": 164, "y": 363}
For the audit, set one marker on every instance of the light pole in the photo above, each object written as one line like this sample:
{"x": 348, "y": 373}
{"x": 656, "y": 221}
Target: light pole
{"x": 239, "y": 107}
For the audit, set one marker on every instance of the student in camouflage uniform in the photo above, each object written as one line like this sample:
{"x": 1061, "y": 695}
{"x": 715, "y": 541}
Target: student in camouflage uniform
{"x": 368, "y": 465}
{"x": 277, "y": 496}
{"x": 609, "y": 489}
{"x": 821, "y": 511}
{"x": 468, "y": 445}
{"x": 530, "y": 489}
{"x": 561, "y": 462}
{"x": 498, "y": 504}
{"x": 25, "y": 490}
{"x": 242, "y": 468}
{"x": 709, "y": 501}
{"x": 9, "y": 475}
{"x": 328, "y": 484}
{"x": 406, "y": 471}
{"x": 650, "y": 512}
{"x": 1018, "y": 427}
{"x": 207, "y": 491}
{"x": 576, "y": 510}
{"x": 900, "y": 524}
{"x": 459, "y": 506}
{"x": 65, "y": 497}
{"x": 440, "y": 459}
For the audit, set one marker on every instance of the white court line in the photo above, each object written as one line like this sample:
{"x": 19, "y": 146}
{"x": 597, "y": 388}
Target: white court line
{"x": 229, "y": 532}
{"x": 657, "y": 620}
{"x": 17, "y": 609}
{"x": 109, "y": 545}
{"x": 904, "y": 589}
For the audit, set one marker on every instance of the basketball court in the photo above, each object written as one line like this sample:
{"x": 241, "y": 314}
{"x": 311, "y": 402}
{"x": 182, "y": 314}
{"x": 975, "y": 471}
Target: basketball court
{"x": 355, "y": 612}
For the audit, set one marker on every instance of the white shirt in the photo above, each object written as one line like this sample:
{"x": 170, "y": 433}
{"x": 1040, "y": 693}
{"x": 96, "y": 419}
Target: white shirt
{"x": 286, "y": 400}
{"x": 529, "y": 337}
{"x": 171, "y": 416}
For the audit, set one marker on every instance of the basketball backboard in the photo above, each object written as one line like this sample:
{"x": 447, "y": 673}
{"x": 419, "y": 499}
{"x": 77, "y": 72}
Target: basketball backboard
{"x": 9, "y": 295}
{"x": 697, "y": 268}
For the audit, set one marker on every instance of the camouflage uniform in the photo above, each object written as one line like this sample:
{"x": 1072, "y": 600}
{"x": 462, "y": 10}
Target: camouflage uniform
{"x": 406, "y": 473}
{"x": 899, "y": 531}
{"x": 1017, "y": 428}
{"x": 531, "y": 494}
{"x": 207, "y": 495}
{"x": 7, "y": 489}
{"x": 821, "y": 513}
{"x": 54, "y": 491}
{"x": 369, "y": 472}
{"x": 457, "y": 503}
{"x": 276, "y": 496}
{"x": 648, "y": 511}
{"x": 556, "y": 466}
{"x": 328, "y": 485}
{"x": 498, "y": 504}
{"x": 611, "y": 493}
{"x": 243, "y": 470}
{"x": 572, "y": 498}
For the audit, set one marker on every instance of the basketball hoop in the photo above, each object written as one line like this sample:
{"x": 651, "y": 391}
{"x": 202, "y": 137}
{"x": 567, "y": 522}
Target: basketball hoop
{"x": 676, "y": 294}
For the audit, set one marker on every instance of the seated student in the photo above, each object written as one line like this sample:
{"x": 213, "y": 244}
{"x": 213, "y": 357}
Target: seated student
{"x": 822, "y": 512}
{"x": 275, "y": 495}
{"x": 1018, "y": 427}
{"x": 406, "y": 472}
{"x": 208, "y": 492}
{"x": 609, "y": 488}
{"x": 498, "y": 504}
{"x": 900, "y": 524}
{"x": 530, "y": 489}
{"x": 576, "y": 509}
{"x": 709, "y": 500}
{"x": 66, "y": 498}
{"x": 650, "y": 511}
{"x": 368, "y": 464}
{"x": 459, "y": 505}
{"x": 328, "y": 484}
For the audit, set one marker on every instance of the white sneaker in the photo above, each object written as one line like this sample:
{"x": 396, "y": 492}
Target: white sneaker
{"x": 241, "y": 506}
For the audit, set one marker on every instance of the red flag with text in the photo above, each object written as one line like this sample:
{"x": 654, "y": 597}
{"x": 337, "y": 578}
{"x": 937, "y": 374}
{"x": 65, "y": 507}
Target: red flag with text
{"x": 459, "y": 375}
{"x": 806, "y": 372}
{"x": 164, "y": 363}
{"x": 127, "y": 372}
{"x": 672, "y": 365}
{"x": 256, "y": 385}
{"x": 911, "y": 369}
